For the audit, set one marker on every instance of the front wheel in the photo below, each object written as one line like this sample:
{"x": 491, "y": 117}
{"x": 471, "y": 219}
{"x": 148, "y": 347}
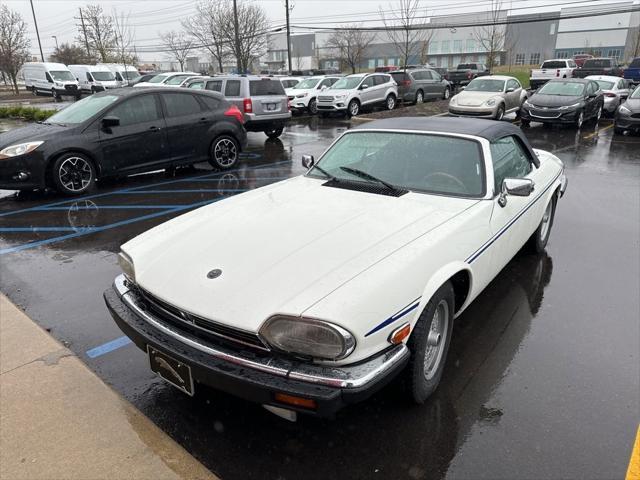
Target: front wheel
{"x": 391, "y": 102}
{"x": 499, "y": 113}
{"x": 540, "y": 238}
{"x": 313, "y": 106}
{"x": 353, "y": 109}
{"x": 446, "y": 94}
{"x": 274, "y": 132}
{"x": 73, "y": 174}
{"x": 224, "y": 152}
{"x": 429, "y": 343}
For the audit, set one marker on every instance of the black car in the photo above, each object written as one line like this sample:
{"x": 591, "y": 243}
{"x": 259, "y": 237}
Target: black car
{"x": 121, "y": 132}
{"x": 564, "y": 100}
{"x": 628, "y": 114}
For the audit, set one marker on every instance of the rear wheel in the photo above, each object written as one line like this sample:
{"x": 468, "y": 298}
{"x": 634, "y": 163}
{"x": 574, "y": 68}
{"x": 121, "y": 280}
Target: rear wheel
{"x": 429, "y": 343}
{"x": 73, "y": 174}
{"x": 274, "y": 132}
{"x": 446, "y": 94}
{"x": 391, "y": 102}
{"x": 419, "y": 97}
{"x": 225, "y": 152}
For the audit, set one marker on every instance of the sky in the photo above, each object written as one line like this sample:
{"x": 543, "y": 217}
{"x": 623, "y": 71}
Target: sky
{"x": 148, "y": 18}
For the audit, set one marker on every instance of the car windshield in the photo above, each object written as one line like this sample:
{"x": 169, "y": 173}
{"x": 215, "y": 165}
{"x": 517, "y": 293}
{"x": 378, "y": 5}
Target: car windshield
{"x": 604, "y": 85}
{"x": 130, "y": 75}
{"x": 158, "y": 79}
{"x": 554, "y": 64}
{"x": 485, "y": 85}
{"x": 103, "y": 76}
{"x": 347, "y": 83}
{"x": 565, "y": 89}
{"x": 177, "y": 80}
{"x": 82, "y": 110}
{"x": 426, "y": 163}
{"x": 636, "y": 93}
{"x": 308, "y": 83}
{"x": 62, "y": 75}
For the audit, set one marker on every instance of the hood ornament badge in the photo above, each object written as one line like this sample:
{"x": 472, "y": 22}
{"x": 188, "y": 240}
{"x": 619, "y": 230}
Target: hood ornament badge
{"x": 214, "y": 273}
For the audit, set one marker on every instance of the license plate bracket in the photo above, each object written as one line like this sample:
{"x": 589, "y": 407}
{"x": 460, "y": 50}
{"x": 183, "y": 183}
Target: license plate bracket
{"x": 171, "y": 370}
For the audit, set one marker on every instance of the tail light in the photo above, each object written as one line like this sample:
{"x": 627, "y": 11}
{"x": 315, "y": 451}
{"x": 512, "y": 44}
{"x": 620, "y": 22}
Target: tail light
{"x": 610, "y": 94}
{"x": 235, "y": 112}
{"x": 469, "y": 75}
{"x": 248, "y": 105}
{"x": 406, "y": 83}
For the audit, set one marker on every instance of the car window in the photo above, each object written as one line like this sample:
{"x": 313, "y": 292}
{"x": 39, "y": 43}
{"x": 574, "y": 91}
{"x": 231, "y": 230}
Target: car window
{"x": 88, "y": 75}
{"x": 554, "y": 64}
{"x": 400, "y": 77}
{"x": 210, "y": 102}
{"x": 177, "y": 80}
{"x": 597, "y": 63}
{"x": 513, "y": 84}
{"x": 604, "y": 85}
{"x": 140, "y": 109}
{"x": 327, "y": 82}
{"x": 197, "y": 85}
{"x": 427, "y": 75}
{"x": 215, "y": 85}
{"x": 49, "y": 79}
{"x": 264, "y": 87}
{"x": 232, "y": 88}
{"x": 436, "y": 76}
{"x": 378, "y": 79}
{"x": 180, "y": 104}
{"x": 509, "y": 161}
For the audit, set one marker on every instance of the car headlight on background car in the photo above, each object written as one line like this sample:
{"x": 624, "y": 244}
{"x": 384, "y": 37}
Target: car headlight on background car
{"x": 308, "y": 337}
{"x": 454, "y": 100}
{"x": 340, "y": 97}
{"x": 624, "y": 110}
{"x": 126, "y": 264}
{"x": 19, "y": 149}
{"x": 302, "y": 95}
{"x": 491, "y": 102}
{"x": 528, "y": 104}
{"x": 568, "y": 107}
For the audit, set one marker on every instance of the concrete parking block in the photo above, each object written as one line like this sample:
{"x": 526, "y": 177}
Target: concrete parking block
{"x": 58, "y": 420}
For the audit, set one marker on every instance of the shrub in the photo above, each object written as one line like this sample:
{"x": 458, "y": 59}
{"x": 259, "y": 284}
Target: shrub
{"x": 29, "y": 114}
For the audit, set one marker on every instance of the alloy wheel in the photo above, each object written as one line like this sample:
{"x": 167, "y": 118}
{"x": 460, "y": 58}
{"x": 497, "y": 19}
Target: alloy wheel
{"x": 75, "y": 174}
{"x": 391, "y": 102}
{"x": 419, "y": 97}
{"x": 447, "y": 93}
{"x": 225, "y": 152}
{"x": 440, "y": 324}
{"x": 354, "y": 109}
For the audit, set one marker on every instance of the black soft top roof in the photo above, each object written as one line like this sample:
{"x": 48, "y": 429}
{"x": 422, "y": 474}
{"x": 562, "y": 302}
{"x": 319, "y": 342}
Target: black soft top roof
{"x": 488, "y": 129}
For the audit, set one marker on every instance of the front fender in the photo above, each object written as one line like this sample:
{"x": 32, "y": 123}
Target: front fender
{"x": 439, "y": 278}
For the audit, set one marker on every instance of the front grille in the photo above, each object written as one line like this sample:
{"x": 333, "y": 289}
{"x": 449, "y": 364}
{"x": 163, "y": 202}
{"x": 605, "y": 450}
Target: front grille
{"x": 468, "y": 113}
{"x": 544, "y": 113}
{"x": 71, "y": 87}
{"x": 200, "y": 327}
{"x": 325, "y": 99}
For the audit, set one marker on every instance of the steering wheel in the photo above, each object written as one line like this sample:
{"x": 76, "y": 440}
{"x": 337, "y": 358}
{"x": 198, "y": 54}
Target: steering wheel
{"x": 447, "y": 176}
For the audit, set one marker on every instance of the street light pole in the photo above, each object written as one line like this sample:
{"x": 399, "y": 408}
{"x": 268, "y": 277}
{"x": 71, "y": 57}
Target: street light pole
{"x": 37, "y": 32}
{"x": 288, "y": 37}
{"x": 56, "y": 39}
{"x": 237, "y": 38}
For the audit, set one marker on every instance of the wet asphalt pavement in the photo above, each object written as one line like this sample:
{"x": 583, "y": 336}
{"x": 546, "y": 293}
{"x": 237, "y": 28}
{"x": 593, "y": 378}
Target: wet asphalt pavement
{"x": 542, "y": 379}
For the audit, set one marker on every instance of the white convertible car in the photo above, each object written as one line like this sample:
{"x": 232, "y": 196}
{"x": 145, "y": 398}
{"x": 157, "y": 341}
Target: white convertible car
{"x": 314, "y": 292}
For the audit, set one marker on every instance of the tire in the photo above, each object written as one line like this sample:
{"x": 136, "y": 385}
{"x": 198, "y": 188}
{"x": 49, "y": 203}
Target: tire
{"x": 73, "y": 174}
{"x": 274, "y": 132}
{"x": 538, "y": 241}
{"x": 499, "y": 113}
{"x": 390, "y": 102}
{"x": 618, "y": 130}
{"x": 447, "y": 94}
{"x": 419, "y": 97}
{"x": 224, "y": 152}
{"x": 598, "y": 115}
{"x": 580, "y": 120}
{"x": 353, "y": 109}
{"x": 525, "y": 123}
{"x": 54, "y": 94}
{"x": 313, "y": 106}
{"x": 426, "y": 364}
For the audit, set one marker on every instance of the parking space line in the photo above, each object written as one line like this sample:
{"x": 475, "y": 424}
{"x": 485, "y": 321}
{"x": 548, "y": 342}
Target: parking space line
{"x": 107, "y": 207}
{"x": 108, "y": 347}
{"x": 42, "y": 229}
{"x": 195, "y": 190}
{"x": 591, "y": 135}
{"x": 633, "y": 470}
{"x": 240, "y": 179}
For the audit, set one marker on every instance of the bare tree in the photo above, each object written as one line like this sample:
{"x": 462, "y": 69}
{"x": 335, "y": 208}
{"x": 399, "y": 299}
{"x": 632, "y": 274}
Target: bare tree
{"x": 491, "y": 37}
{"x": 100, "y": 32}
{"x": 405, "y": 29}
{"x": 124, "y": 39}
{"x": 350, "y": 45}
{"x": 70, "y": 54}
{"x": 14, "y": 44}
{"x": 205, "y": 28}
{"x": 179, "y": 46}
{"x": 252, "y": 32}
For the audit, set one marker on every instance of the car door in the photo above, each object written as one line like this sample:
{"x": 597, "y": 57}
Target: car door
{"x": 187, "y": 126}
{"x": 510, "y": 160}
{"x": 140, "y": 141}
{"x": 438, "y": 84}
{"x": 382, "y": 83}
{"x": 513, "y": 98}
{"x": 368, "y": 95}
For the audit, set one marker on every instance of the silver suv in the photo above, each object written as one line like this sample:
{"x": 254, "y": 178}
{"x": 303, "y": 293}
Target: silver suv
{"x": 262, "y": 100}
{"x": 350, "y": 94}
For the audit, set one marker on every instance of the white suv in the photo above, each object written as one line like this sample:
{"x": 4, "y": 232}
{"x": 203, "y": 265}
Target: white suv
{"x": 304, "y": 95}
{"x": 350, "y": 94}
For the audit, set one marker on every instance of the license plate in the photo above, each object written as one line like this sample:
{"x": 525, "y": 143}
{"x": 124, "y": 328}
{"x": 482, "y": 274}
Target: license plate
{"x": 173, "y": 371}
{"x": 271, "y": 106}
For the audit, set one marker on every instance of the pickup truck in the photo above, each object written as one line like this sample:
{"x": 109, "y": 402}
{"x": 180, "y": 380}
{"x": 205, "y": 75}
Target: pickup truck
{"x": 632, "y": 72}
{"x": 599, "y": 66}
{"x": 556, "y": 68}
{"x": 467, "y": 72}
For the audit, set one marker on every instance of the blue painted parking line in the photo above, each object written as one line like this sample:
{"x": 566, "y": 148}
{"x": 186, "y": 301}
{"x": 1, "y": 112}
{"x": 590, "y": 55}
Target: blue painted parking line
{"x": 43, "y": 229}
{"x": 108, "y": 347}
{"x": 107, "y": 207}
{"x": 195, "y": 190}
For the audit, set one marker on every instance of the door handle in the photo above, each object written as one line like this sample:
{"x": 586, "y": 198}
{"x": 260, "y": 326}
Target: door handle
{"x": 203, "y": 120}
{"x": 154, "y": 129}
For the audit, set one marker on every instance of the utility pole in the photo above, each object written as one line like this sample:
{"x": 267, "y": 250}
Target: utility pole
{"x": 84, "y": 30}
{"x": 288, "y": 37}
{"x": 37, "y": 32}
{"x": 237, "y": 38}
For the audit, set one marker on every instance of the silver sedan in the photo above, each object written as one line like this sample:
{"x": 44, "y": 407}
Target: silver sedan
{"x": 615, "y": 89}
{"x": 491, "y": 96}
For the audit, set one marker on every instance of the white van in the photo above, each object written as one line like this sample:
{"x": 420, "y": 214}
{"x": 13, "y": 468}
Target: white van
{"x": 50, "y": 78}
{"x": 123, "y": 73}
{"x": 94, "y": 78}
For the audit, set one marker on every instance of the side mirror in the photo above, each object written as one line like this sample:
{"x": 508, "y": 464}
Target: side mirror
{"x": 364, "y": 86}
{"x": 511, "y": 90}
{"x": 308, "y": 161}
{"x": 518, "y": 187}
{"x": 323, "y": 87}
{"x": 108, "y": 122}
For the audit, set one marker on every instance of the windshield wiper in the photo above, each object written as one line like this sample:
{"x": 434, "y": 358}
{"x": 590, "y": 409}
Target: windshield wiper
{"x": 327, "y": 174}
{"x": 366, "y": 176}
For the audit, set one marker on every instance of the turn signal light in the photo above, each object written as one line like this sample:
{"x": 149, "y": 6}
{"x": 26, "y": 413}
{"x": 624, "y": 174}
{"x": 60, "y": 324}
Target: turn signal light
{"x": 296, "y": 401}
{"x": 248, "y": 105}
{"x": 235, "y": 112}
{"x": 399, "y": 334}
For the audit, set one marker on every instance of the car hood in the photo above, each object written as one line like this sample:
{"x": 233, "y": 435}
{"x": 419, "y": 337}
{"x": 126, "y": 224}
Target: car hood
{"x": 293, "y": 92}
{"x": 541, "y": 100}
{"x": 475, "y": 99}
{"x": 281, "y": 248}
{"x": 33, "y": 132}
{"x": 632, "y": 104}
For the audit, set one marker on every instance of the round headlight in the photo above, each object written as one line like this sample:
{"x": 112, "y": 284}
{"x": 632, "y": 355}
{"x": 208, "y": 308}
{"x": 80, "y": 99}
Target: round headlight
{"x": 491, "y": 102}
{"x": 308, "y": 337}
{"x": 126, "y": 264}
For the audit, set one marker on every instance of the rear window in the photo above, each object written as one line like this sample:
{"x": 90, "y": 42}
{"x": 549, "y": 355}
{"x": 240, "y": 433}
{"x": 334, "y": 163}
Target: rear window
{"x": 400, "y": 76}
{"x": 265, "y": 87}
{"x": 635, "y": 63}
{"x": 597, "y": 63}
{"x": 554, "y": 64}
{"x": 467, "y": 66}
